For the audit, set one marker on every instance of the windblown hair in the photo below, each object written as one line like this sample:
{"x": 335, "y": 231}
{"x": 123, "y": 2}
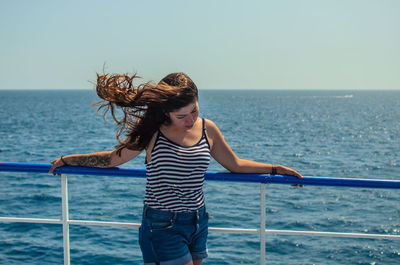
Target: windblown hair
{"x": 144, "y": 107}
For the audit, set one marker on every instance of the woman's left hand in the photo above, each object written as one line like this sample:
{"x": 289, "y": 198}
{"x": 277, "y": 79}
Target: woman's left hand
{"x": 282, "y": 170}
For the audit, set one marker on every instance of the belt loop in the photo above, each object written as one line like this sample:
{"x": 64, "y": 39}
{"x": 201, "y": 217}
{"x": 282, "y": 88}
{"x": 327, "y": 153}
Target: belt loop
{"x": 145, "y": 210}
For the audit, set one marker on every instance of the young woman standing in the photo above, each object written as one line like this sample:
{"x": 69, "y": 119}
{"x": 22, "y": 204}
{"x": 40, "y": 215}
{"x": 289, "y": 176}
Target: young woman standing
{"x": 163, "y": 120}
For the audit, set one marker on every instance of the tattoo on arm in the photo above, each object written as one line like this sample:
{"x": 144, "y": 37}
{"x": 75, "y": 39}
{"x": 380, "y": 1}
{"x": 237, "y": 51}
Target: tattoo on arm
{"x": 95, "y": 160}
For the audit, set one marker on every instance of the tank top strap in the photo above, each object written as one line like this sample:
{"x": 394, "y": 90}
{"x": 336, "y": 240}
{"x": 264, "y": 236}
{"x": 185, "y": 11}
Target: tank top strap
{"x": 205, "y": 134}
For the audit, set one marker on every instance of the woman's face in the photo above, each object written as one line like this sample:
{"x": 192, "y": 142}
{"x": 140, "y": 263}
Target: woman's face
{"x": 184, "y": 118}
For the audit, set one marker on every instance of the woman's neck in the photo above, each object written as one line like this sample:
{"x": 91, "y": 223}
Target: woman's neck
{"x": 182, "y": 136}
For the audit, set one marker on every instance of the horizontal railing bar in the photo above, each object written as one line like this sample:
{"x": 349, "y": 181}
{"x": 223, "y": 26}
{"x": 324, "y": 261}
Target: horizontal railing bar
{"x": 210, "y": 175}
{"x": 135, "y": 225}
{"x": 111, "y": 224}
{"x": 211, "y": 229}
{"x": 234, "y": 230}
{"x": 29, "y": 220}
{"x": 332, "y": 234}
{"x": 44, "y": 168}
{"x": 101, "y": 223}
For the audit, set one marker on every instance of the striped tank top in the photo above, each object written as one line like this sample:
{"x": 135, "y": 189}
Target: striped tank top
{"x": 175, "y": 174}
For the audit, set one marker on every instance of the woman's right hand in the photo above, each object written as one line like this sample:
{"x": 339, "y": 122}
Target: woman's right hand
{"x": 56, "y": 163}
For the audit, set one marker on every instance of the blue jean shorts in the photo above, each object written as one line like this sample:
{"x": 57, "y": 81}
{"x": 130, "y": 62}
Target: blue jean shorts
{"x": 168, "y": 238}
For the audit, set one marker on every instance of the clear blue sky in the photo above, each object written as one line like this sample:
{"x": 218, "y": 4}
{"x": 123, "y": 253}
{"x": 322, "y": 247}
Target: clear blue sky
{"x": 309, "y": 44}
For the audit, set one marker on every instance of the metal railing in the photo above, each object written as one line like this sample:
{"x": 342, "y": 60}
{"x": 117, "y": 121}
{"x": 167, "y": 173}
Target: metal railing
{"x": 263, "y": 179}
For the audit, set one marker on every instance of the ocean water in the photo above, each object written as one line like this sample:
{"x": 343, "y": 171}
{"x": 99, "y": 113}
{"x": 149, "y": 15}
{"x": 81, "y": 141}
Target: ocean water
{"x": 352, "y": 134}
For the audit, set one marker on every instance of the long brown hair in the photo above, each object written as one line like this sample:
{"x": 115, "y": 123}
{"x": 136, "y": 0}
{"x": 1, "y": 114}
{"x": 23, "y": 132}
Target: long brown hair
{"x": 144, "y": 107}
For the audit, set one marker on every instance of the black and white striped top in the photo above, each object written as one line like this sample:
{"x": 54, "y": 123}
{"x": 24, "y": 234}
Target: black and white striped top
{"x": 175, "y": 175}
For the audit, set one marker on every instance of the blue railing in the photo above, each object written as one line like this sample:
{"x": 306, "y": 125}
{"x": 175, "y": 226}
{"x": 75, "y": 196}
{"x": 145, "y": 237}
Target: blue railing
{"x": 210, "y": 175}
{"x": 263, "y": 179}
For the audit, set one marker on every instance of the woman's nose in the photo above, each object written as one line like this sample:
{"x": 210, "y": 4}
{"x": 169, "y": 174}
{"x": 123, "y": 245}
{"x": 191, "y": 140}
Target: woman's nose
{"x": 191, "y": 119}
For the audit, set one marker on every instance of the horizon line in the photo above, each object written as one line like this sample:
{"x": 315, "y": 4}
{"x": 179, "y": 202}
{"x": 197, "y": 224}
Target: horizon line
{"x": 219, "y": 89}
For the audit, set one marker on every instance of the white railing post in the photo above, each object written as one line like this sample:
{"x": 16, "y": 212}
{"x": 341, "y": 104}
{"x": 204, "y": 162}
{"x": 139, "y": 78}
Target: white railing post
{"x": 262, "y": 222}
{"x": 65, "y": 218}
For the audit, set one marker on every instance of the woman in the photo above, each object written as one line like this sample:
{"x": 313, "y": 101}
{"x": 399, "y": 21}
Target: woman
{"x": 163, "y": 120}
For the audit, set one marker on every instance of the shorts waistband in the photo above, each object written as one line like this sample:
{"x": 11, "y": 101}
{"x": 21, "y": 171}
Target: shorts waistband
{"x": 151, "y": 212}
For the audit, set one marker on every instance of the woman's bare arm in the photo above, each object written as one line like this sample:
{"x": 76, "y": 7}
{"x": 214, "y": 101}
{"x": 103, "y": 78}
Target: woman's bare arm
{"x": 224, "y": 155}
{"x": 99, "y": 159}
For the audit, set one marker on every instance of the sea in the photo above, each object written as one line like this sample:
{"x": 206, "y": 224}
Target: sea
{"x": 344, "y": 134}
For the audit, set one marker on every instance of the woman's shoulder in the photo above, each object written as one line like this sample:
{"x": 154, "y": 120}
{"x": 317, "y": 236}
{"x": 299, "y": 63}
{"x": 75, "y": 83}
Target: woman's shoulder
{"x": 209, "y": 124}
{"x": 152, "y": 142}
{"x": 211, "y": 127}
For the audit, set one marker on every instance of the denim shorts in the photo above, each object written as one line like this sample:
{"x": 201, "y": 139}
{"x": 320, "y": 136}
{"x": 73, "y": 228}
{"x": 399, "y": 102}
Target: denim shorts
{"x": 172, "y": 237}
